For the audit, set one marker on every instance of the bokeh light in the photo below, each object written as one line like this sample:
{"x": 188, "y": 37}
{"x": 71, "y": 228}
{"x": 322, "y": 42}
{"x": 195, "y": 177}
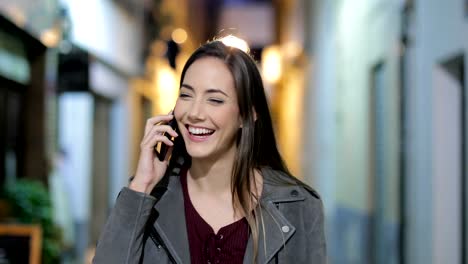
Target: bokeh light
{"x": 236, "y": 42}
{"x": 179, "y": 35}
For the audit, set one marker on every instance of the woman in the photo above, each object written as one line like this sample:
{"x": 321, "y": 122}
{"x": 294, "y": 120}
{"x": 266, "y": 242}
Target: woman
{"x": 224, "y": 195}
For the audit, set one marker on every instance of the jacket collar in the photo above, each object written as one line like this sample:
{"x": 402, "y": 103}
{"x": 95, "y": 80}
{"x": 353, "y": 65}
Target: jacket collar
{"x": 274, "y": 229}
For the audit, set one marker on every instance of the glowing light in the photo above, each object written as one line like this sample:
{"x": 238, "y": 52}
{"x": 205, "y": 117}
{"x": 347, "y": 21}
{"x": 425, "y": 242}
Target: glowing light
{"x": 166, "y": 88}
{"x": 179, "y": 35}
{"x": 50, "y": 37}
{"x": 292, "y": 49}
{"x": 236, "y": 42}
{"x": 272, "y": 64}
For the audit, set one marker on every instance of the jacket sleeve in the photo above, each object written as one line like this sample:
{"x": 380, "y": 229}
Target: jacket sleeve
{"x": 121, "y": 240}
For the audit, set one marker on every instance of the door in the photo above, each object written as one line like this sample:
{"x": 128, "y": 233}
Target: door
{"x": 12, "y": 133}
{"x": 447, "y": 140}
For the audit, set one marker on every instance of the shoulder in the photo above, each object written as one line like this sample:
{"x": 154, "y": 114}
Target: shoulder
{"x": 298, "y": 202}
{"x": 278, "y": 183}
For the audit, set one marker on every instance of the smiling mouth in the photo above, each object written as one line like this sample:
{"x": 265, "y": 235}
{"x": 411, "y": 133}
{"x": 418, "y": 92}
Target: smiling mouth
{"x": 199, "y": 132}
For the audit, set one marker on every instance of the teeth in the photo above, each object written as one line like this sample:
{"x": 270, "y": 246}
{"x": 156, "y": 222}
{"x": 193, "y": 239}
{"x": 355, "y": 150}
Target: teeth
{"x": 200, "y": 131}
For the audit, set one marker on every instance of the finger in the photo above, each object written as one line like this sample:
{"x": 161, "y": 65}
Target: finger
{"x": 151, "y": 122}
{"x": 155, "y": 120}
{"x": 161, "y": 129}
{"x": 153, "y": 140}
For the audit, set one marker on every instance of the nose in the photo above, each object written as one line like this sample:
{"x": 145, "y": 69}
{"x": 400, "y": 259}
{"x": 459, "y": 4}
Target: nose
{"x": 196, "y": 111}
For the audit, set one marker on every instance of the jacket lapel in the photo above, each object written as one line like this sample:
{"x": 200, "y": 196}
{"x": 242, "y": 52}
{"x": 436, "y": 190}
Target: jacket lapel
{"x": 272, "y": 234}
{"x": 274, "y": 228}
{"x": 170, "y": 222}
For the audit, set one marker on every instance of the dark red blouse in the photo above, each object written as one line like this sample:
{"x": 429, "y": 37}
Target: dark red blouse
{"x": 227, "y": 246}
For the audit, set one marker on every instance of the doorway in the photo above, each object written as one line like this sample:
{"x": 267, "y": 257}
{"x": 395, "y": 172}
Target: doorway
{"x": 449, "y": 161}
{"x": 12, "y": 133}
{"x": 101, "y": 165}
{"x": 383, "y": 181}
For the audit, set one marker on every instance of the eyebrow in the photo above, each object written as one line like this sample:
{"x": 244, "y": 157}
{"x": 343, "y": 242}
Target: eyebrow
{"x": 212, "y": 90}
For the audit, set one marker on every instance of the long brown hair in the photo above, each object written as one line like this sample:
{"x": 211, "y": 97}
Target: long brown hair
{"x": 256, "y": 143}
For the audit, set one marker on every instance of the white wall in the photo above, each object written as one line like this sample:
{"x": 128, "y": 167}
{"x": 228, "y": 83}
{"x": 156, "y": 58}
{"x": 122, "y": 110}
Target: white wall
{"x": 350, "y": 38}
{"x": 76, "y": 137}
{"x": 115, "y": 36}
{"x": 321, "y": 106}
{"x": 359, "y": 34}
{"x": 438, "y": 33}
{"x": 108, "y": 31}
{"x": 120, "y": 147}
{"x": 367, "y": 34}
{"x": 34, "y": 16}
{"x": 446, "y": 167}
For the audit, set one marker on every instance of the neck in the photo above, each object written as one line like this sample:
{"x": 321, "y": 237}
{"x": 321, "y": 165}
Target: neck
{"x": 212, "y": 175}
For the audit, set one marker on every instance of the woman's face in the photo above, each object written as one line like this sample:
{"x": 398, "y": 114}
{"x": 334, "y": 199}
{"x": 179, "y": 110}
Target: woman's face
{"x": 207, "y": 111}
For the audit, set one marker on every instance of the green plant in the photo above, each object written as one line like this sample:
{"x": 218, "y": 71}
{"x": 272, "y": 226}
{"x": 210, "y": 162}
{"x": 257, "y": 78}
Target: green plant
{"x": 30, "y": 204}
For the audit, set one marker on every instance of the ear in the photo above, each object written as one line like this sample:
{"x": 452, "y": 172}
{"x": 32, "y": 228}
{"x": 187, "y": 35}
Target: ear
{"x": 254, "y": 116}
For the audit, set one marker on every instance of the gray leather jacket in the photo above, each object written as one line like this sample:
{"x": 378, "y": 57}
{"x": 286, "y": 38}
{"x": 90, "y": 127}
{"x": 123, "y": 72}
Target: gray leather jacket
{"x": 144, "y": 229}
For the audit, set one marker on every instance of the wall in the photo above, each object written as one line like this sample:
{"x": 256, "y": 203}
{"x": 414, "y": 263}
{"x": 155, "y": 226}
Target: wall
{"x": 108, "y": 31}
{"x": 350, "y": 38}
{"x": 436, "y": 36}
{"x": 33, "y": 16}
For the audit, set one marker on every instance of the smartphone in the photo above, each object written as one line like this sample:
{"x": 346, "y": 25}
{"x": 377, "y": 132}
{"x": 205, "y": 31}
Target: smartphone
{"x": 163, "y": 147}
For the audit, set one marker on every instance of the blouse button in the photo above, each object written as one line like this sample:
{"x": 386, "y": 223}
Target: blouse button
{"x": 219, "y": 249}
{"x": 220, "y": 236}
{"x": 285, "y": 229}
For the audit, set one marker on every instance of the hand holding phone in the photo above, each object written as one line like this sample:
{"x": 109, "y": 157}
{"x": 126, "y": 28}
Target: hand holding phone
{"x": 163, "y": 147}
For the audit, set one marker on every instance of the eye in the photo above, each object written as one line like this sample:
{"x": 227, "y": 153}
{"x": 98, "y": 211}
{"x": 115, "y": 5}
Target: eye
{"x": 184, "y": 95}
{"x": 216, "y": 101}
